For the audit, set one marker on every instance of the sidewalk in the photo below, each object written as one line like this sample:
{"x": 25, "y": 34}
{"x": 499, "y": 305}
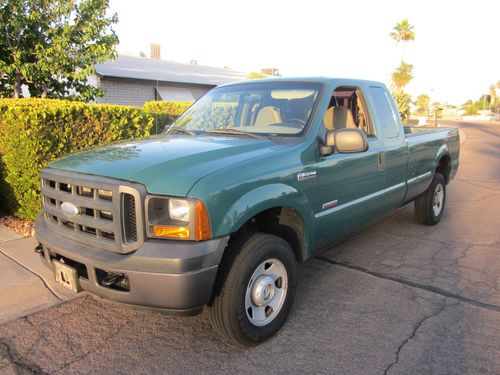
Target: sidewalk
{"x": 26, "y": 285}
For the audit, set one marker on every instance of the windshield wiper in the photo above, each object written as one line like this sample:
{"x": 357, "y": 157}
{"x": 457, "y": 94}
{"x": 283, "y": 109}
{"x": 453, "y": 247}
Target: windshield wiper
{"x": 179, "y": 130}
{"x": 234, "y": 132}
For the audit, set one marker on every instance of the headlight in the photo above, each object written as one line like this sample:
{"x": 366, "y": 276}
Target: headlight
{"x": 185, "y": 219}
{"x": 178, "y": 209}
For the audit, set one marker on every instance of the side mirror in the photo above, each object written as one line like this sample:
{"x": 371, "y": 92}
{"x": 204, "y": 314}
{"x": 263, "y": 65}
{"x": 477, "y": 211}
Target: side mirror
{"x": 166, "y": 128}
{"x": 345, "y": 141}
{"x": 350, "y": 140}
{"x": 326, "y": 147}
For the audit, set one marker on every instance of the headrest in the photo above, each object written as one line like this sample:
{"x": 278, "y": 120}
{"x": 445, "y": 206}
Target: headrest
{"x": 342, "y": 118}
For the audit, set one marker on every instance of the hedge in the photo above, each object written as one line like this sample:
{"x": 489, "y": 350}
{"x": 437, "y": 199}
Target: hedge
{"x": 34, "y": 132}
{"x": 165, "y": 113}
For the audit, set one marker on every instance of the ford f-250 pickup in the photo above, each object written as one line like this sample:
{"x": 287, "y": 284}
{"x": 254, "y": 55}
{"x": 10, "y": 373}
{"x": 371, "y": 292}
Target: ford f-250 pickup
{"x": 251, "y": 179}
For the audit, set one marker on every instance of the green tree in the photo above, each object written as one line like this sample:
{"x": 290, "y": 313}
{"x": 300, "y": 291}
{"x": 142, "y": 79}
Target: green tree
{"x": 422, "y": 103}
{"x": 52, "y": 46}
{"x": 403, "y": 32}
{"x": 469, "y": 107}
{"x": 402, "y": 75}
{"x": 472, "y": 108}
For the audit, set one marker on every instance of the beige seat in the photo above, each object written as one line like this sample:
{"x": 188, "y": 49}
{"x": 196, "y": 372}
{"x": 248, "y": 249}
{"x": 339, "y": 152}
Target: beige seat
{"x": 338, "y": 117}
{"x": 267, "y": 116}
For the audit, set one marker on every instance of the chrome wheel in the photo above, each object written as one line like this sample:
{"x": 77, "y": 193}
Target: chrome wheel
{"x": 438, "y": 199}
{"x": 266, "y": 292}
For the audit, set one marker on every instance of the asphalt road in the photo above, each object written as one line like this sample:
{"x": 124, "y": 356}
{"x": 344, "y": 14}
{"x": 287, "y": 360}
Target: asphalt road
{"x": 397, "y": 298}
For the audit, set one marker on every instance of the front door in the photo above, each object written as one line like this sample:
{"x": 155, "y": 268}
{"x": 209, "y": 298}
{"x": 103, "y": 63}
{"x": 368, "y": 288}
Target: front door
{"x": 349, "y": 185}
{"x": 347, "y": 195}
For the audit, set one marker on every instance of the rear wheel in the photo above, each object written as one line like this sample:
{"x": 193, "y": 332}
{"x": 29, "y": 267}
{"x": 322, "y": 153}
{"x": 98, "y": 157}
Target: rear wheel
{"x": 429, "y": 206}
{"x": 257, "y": 290}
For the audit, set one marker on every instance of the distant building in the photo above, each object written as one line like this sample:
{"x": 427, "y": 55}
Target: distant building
{"x": 134, "y": 80}
{"x": 274, "y": 72}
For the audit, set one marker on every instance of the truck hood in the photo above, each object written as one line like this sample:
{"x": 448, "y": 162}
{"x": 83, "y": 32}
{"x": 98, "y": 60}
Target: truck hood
{"x": 166, "y": 164}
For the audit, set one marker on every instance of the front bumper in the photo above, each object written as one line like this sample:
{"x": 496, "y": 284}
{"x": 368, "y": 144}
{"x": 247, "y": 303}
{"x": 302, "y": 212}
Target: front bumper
{"x": 175, "y": 276}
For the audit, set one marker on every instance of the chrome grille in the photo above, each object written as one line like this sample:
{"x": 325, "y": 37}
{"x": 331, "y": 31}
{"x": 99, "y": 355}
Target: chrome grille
{"x": 108, "y": 212}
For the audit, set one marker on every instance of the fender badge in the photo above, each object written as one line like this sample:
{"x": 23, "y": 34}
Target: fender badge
{"x": 330, "y": 204}
{"x": 306, "y": 175}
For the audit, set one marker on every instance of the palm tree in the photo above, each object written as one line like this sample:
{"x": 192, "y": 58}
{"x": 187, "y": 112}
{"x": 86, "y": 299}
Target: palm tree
{"x": 403, "y": 32}
{"x": 402, "y": 75}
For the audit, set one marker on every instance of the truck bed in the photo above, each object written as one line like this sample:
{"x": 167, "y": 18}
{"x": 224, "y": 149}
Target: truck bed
{"x": 414, "y": 130}
{"x": 425, "y": 145}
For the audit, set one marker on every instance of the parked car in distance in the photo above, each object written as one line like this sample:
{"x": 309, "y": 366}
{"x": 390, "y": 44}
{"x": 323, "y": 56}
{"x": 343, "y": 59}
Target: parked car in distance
{"x": 253, "y": 178}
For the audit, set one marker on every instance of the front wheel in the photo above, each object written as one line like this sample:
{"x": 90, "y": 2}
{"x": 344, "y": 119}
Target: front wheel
{"x": 429, "y": 206}
{"x": 257, "y": 291}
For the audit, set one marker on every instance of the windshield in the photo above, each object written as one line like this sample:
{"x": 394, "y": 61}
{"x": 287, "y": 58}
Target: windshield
{"x": 281, "y": 109}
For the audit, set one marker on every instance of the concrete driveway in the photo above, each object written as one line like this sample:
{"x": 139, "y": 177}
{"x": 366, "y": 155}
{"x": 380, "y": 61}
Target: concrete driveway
{"x": 397, "y": 298}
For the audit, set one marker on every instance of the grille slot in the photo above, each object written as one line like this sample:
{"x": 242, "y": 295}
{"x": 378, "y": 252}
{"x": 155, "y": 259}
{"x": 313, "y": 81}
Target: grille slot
{"x": 107, "y": 215}
{"x": 129, "y": 218}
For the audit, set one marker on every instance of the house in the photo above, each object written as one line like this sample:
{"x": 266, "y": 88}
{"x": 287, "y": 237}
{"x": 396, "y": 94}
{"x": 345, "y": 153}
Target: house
{"x": 132, "y": 80}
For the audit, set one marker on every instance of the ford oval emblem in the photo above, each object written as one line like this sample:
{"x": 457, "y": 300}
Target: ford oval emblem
{"x": 69, "y": 209}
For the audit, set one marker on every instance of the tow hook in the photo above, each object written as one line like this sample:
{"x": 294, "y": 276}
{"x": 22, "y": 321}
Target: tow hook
{"x": 112, "y": 279}
{"x": 38, "y": 249}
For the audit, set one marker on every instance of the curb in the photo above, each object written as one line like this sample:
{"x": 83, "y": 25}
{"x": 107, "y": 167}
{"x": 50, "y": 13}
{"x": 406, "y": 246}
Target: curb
{"x": 21, "y": 252}
{"x": 7, "y": 234}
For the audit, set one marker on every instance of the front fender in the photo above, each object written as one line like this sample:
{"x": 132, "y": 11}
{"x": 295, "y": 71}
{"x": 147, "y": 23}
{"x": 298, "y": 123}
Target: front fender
{"x": 261, "y": 199}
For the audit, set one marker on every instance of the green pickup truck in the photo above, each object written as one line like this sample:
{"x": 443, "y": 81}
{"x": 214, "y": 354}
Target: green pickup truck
{"x": 251, "y": 179}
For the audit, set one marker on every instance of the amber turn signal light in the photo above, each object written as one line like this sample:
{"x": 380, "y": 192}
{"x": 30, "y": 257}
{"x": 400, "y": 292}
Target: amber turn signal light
{"x": 168, "y": 231}
{"x": 202, "y": 223}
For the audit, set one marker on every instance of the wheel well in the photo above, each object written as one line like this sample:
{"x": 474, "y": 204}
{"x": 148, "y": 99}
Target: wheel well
{"x": 283, "y": 222}
{"x": 444, "y": 167}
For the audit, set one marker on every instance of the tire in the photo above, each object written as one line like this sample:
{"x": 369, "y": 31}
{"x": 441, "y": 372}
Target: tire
{"x": 261, "y": 269}
{"x": 429, "y": 207}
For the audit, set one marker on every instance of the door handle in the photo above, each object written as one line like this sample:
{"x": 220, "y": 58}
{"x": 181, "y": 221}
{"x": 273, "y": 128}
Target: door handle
{"x": 381, "y": 161}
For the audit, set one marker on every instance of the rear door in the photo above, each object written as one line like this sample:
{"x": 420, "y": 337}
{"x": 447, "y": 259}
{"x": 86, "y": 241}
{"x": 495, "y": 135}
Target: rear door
{"x": 394, "y": 157}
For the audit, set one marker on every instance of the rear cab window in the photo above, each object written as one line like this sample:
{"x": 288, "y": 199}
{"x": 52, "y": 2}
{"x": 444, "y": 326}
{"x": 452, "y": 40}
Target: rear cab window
{"x": 385, "y": 113}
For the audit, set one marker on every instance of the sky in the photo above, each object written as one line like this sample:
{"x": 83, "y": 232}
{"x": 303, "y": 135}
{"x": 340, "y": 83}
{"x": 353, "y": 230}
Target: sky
{"x": 456, "y": 52}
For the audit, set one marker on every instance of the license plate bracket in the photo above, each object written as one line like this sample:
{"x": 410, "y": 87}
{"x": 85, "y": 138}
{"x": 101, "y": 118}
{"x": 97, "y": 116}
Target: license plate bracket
{"x": 66, "y": 276}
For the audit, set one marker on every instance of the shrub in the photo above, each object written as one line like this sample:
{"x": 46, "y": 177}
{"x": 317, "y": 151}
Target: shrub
{"x": 165, "y": 113}
{"x": 34, "y": 132}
